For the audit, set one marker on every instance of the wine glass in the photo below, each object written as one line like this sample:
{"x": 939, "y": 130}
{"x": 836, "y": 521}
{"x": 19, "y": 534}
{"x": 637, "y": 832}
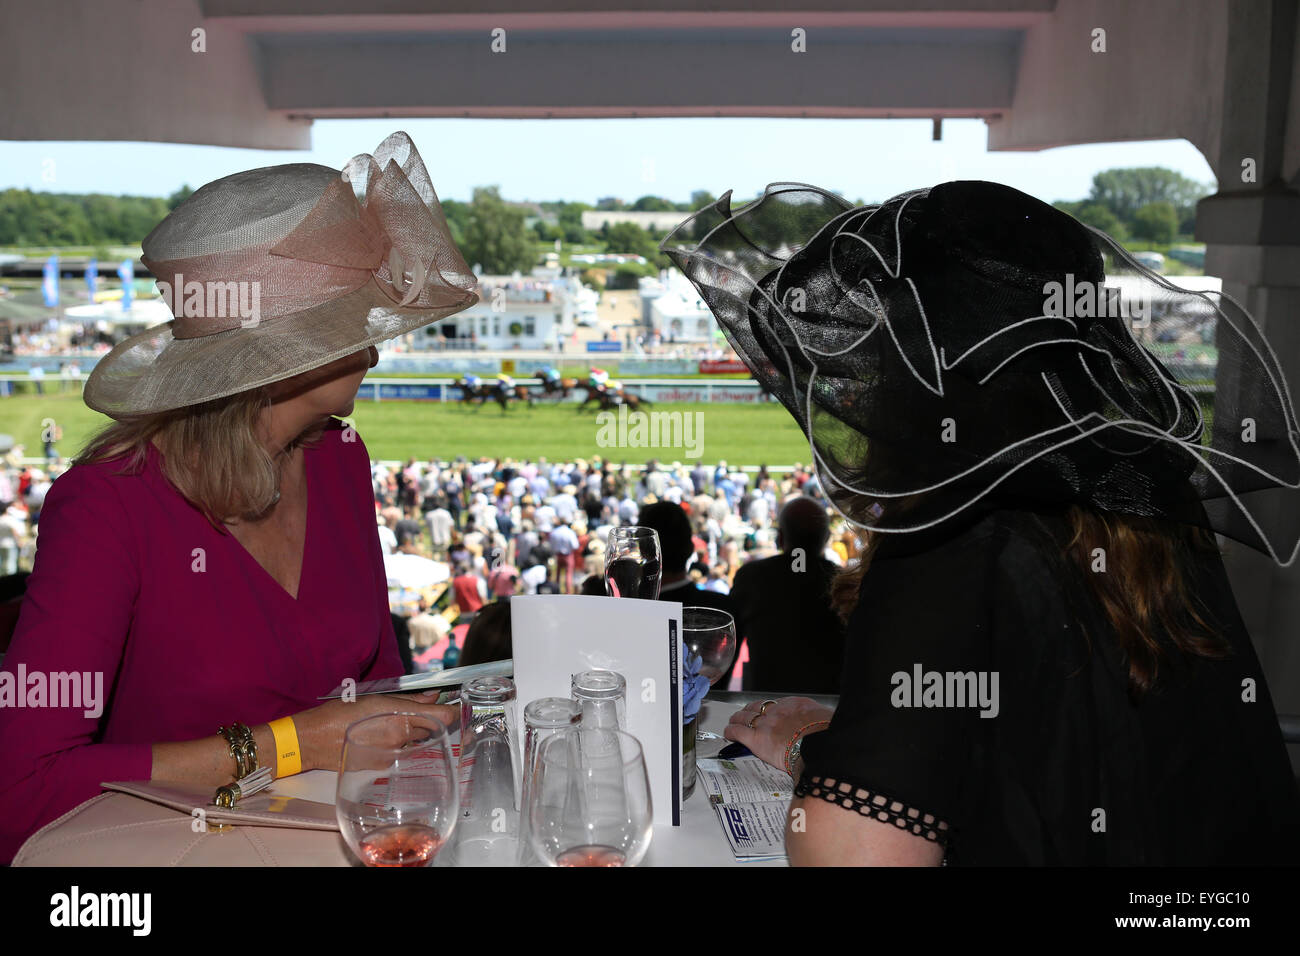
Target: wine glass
{"x": 633, "y": 562}
{"x": 711, "y": 634}
{"x": 397, "y": 795}
{"x": 589, "y": 799}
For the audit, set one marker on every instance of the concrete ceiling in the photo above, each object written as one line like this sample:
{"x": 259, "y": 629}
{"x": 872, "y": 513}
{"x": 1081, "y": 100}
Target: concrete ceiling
{"x": 256, "y": 73}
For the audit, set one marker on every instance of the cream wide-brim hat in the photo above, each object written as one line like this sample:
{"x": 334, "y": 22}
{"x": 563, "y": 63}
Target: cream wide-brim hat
{"x": 342, "y": 260}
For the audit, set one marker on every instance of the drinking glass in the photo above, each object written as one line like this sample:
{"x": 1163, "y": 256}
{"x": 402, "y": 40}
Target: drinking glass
{"x": 396, "y": 798}
{"x": 543, "y": 719}
{"x": 589, "y": 800}
{"x": 633, "y": 562}
{"x": 602, "y": 697}
{"x": 488, "y": 831}
{"x": 711, "y": 634}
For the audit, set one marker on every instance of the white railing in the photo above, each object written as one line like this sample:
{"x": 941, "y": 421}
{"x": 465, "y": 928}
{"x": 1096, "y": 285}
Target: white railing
{"x": 372, "y": 388}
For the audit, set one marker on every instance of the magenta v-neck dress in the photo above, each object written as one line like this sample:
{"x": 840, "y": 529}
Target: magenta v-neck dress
{"x": 188, "y": 631}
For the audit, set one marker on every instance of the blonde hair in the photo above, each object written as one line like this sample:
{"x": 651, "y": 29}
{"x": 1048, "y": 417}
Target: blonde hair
{"x": 210, "y": 452}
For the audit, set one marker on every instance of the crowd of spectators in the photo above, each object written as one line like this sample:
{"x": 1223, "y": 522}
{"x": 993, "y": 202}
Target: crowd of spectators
{"x": 759, "y": 545}
{"x": 23, "y": 487}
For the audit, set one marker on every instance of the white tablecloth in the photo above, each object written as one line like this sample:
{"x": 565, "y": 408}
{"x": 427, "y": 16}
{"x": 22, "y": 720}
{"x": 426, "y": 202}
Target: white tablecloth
{"x": 699, "y": 841}
{"x": 149, "y": 834}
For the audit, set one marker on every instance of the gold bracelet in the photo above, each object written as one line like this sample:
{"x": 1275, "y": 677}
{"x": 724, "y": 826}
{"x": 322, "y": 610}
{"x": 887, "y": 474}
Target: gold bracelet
{"x": 242, "y": 747}
{"x": 794, "y": 748}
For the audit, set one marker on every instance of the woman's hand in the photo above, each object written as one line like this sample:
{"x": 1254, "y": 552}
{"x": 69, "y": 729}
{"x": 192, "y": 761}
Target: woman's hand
{"x": 321, "y": 729}
{"x": 771, "y": 733}
{"x": 207, "y": 761}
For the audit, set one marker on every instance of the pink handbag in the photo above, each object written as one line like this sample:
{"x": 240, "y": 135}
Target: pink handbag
{"x": 139, "y": 823}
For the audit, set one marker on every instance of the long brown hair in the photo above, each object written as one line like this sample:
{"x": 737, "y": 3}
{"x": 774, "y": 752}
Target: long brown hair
{"x": 1138, "y": 607}
{"x": 211, "y": 453}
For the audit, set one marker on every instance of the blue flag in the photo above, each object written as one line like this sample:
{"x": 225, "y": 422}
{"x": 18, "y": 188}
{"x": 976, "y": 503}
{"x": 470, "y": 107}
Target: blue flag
{"x": 126, "y": 272}
{"x": 50, "y": 282}
{"x": 92, "y": 276}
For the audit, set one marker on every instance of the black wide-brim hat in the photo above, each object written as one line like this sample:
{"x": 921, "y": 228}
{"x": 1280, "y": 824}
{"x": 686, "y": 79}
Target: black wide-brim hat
{"x": 968, "y": 344}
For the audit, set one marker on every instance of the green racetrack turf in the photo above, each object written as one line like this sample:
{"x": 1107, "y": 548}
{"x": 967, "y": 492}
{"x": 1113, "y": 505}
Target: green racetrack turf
{"x": 742, "y": 435}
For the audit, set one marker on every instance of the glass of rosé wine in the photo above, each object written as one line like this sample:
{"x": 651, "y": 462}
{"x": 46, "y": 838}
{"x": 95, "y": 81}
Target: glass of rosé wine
{"x": 397, "y": 796}
{"x": 589, "y": 799}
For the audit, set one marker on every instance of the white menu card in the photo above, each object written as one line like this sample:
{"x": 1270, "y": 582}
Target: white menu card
{"x": 555, "y": 636}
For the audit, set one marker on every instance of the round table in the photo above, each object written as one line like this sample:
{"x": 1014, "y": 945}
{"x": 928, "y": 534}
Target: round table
{"x": 148, "y": 834}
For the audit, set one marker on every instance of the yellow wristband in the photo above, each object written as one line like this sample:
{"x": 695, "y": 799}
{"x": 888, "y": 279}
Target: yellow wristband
{"x": 288, "y": 760}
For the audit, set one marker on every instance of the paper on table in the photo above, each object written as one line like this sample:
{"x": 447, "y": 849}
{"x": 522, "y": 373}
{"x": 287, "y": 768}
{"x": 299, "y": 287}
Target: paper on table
{"x": 555, "y": 636}
{"x": 413, "y": 682}
{"x": 756, "y": 831}
{"x": 751, "y": 799}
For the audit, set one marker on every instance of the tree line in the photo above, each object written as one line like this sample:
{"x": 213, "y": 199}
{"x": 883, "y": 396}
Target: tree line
{"x": 1149, "y": 203}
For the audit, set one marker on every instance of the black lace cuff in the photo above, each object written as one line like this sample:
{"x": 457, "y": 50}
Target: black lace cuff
{"x": 875, "y": 805}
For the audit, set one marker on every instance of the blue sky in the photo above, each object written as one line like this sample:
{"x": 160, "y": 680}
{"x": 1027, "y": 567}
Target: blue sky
{"x": 590, "y": 158}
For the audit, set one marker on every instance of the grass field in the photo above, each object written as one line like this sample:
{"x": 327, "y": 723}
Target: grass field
{"x": 741, "y": 435}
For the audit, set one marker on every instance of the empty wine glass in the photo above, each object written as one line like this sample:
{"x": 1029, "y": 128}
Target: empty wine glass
{"x": 633, "y": 562}
{"x": 589, "y": 799}
{"x": 711, "y": 634}
{"x": 397, "y": 797}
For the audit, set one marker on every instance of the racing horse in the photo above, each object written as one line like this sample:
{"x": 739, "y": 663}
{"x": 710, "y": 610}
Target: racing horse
{"x": 478, "y": 393}
{"x": 561, "y": 388}
{"x": 472, "y": 393}
{"x": 521, "y": 393}
{"x": 504, "y": 393}
{"x": 608, "y": 398}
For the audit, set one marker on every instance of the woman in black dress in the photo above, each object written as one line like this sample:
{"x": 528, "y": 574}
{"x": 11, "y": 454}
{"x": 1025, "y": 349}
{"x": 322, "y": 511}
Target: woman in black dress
{"x": 1044, "y": 661}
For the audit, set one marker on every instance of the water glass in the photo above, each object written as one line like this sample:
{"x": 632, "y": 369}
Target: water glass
{"x": 602, "y": 696}
{"x": 488, "y": 831}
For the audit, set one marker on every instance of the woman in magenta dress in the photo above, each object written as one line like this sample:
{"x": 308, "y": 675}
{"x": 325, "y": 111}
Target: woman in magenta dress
{"x": 212, "y": 558}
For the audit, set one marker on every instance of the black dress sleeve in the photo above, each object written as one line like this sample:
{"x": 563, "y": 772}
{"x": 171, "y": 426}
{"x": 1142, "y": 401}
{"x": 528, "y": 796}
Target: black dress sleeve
{"x": 895, "y": 751}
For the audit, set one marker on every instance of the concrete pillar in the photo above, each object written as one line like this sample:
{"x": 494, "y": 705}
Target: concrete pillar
{"x": 1252, "y": 231}
{"x": 1264, "y": 277}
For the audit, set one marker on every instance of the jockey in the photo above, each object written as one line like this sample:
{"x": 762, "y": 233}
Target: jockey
{"x": 598, "y": 378}
{"x": 550, "y": 374}
{"x": 472, "y": 381}
{"x": 505, "y": 382}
